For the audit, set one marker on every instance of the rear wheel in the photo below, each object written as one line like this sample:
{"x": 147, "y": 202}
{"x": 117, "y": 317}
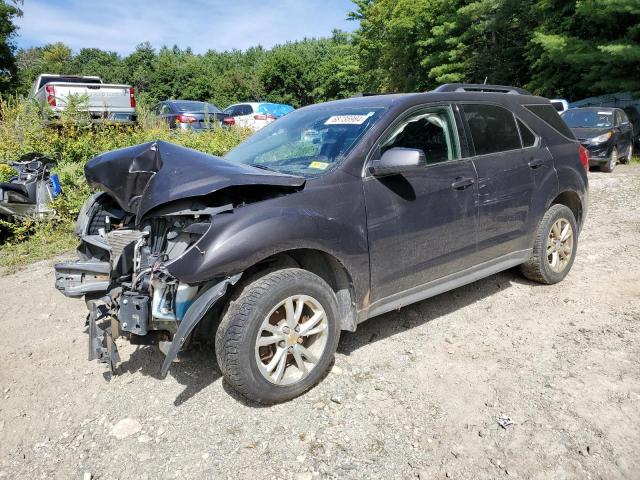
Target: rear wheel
{"x": 612, "y": 162}
{"x": 278, "y": 336}
{"x": 554, "y": 248}
{"x": 629, "y": 154}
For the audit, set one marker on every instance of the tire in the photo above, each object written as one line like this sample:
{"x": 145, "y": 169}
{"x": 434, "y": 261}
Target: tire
{"x": 629, "y": 155}
{"x": 253, "y": 307}
{"x": 612, "y": 162}
{"x": 539, "y": 267}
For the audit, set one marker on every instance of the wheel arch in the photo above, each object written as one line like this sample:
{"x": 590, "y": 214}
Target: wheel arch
{"x": 322, "y": 264}
{"x": 571, "y": 200}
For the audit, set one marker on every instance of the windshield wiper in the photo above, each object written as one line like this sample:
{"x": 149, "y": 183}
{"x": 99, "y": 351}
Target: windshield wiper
{"x": 262, "y": 167}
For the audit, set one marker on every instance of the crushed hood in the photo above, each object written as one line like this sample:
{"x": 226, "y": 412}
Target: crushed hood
{"x": 145, "y": 176}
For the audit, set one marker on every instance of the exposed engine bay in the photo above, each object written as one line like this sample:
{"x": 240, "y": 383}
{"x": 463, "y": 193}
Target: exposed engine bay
{"x": 122, "y": 270}
{"x": 149, "y": 214}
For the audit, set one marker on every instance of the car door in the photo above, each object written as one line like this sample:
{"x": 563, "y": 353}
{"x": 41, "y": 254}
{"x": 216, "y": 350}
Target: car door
{"x": 506, "y": 179}
{"x": 421, "y": 224}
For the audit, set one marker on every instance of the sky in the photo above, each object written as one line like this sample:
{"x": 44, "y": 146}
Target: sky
{"x": 120, "y": 25}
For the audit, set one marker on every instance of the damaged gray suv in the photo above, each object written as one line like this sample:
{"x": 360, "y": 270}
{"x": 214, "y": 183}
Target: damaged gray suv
{"x": 334, "y": 214}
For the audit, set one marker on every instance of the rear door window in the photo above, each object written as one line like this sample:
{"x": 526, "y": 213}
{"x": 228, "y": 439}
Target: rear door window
{"x": 493, "y": 128}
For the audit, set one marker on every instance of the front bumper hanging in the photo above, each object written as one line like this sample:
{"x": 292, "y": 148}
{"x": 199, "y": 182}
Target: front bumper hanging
{"x": 102, "y": 346}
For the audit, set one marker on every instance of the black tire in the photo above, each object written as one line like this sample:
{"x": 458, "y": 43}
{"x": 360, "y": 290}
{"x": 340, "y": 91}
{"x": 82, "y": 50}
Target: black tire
{"x": 612, "y": 162}
{"x": 537, "y": 268}
{"x": 241, "y": 324}
{"x": 629, "y": 155}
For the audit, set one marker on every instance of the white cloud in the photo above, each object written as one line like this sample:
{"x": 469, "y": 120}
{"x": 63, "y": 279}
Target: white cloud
{"x": 119, "y": 25}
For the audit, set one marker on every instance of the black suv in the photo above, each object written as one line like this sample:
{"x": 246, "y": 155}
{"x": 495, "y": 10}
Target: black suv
{"x": 606, "y": 133}
{"x": 334, "y": 214}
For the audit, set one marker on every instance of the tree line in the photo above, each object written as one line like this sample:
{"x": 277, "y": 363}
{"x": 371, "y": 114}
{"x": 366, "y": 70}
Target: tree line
{"x": 555, "y": 48}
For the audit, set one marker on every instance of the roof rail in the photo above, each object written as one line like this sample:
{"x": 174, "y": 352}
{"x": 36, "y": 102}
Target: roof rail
{"x": 481, "y": 87}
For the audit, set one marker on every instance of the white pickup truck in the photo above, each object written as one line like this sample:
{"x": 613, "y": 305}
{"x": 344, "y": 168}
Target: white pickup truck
{"x": 115, "y": 102}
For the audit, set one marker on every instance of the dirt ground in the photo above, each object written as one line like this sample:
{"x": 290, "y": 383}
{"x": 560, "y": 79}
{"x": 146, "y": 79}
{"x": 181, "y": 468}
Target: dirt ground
{"x": 413, "y": 394}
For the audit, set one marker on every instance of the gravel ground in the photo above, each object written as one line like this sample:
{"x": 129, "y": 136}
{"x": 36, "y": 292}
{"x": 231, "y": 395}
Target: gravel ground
{"x": 417, "y": 393}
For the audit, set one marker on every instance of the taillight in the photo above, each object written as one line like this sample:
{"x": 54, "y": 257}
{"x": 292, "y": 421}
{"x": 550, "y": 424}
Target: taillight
{"x": 262, "y": 116}
{"x": 584, "y": 157}
{"x": 51, "y": 95}
{"x": 229, "y": 121}
{"x": 132, "y": 97}
{"x": 185, "y": 119}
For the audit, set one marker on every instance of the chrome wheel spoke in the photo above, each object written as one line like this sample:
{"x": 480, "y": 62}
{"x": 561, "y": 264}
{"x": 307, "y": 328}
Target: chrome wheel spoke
{"x": 290, "y": 312}
{"x": 282, "y": 365}
{"x": 307, "y": 354}
{"x": 269, "y": 340}
{"x": 299, "y": 361}
{"x": 312, "y": 322}
{"x": 566, "y": 233}
{"x": 280, "y": 353}
{"x": 314, "y": 331}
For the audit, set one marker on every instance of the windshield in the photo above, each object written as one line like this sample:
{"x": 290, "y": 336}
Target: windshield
{"x": 276, "y": 109}
{"x": 190, "y": 106}
{"x": 588, "y": 119}
{"x": 306, "y": 142}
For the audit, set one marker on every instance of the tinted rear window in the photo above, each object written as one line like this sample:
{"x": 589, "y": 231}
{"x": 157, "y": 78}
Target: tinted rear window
{"x": 196, "y": 107}
{"x": 45, "y": 80}
{"x": 493, "y": 128}
{"x": 550, "y": 116}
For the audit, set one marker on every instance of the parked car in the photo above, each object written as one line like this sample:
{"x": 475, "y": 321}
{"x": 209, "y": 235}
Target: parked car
{"x": 102, "y": 99}
{"x": 334, "y": 214}
{"x": 256, "y": 115}
{"x": 560, "y": 104}
{"x": 192, "y": 115}
{"x": 605, "y": 132}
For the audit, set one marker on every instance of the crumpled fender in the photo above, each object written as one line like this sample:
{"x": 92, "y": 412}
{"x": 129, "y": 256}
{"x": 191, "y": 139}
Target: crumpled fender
{"x": 196, "y": 312}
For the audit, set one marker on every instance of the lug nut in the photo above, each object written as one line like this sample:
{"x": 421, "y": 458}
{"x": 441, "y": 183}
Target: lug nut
{"x": 285, "y": 329}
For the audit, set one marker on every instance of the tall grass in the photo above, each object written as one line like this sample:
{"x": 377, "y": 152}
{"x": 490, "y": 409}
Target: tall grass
{"x": 71, "y": 141}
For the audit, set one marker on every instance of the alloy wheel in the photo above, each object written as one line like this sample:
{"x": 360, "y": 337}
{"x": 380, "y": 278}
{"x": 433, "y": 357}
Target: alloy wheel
{"x": 291, "y": 340}
{"x": 560, "y": 245}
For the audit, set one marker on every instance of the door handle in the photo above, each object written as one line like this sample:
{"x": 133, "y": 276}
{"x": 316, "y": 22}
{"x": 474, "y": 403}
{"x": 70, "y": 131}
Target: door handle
{"x": 462, "y": 183}
{"x": 535, "y": 163}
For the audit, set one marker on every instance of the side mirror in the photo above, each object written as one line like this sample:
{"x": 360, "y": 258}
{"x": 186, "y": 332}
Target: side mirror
{"x": 399, "y": 160}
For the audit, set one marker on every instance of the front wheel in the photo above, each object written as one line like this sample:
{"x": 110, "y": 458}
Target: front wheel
{"x": 612, "y": 162}
{"x": 629, "y": 154}
{"x": 278, "y": 336}
{"x": 554, "y": 248}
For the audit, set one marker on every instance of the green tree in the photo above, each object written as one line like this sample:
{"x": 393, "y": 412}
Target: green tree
{"x": 586, "y": 47}
{"x": 9, "y": 11}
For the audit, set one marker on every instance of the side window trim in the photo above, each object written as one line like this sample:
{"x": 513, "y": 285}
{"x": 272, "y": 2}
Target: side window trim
{"x": 536, "y": 143}
{"x": 372, "y": 154}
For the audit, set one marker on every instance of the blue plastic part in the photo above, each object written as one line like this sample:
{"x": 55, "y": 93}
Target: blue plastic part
{"x": 56, "y": 188}
{"x": 181, "y": 309}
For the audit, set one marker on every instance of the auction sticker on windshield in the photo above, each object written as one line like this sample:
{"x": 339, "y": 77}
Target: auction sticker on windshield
{"x": 348, "y": 119}
{"x": 319, "y": 165}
